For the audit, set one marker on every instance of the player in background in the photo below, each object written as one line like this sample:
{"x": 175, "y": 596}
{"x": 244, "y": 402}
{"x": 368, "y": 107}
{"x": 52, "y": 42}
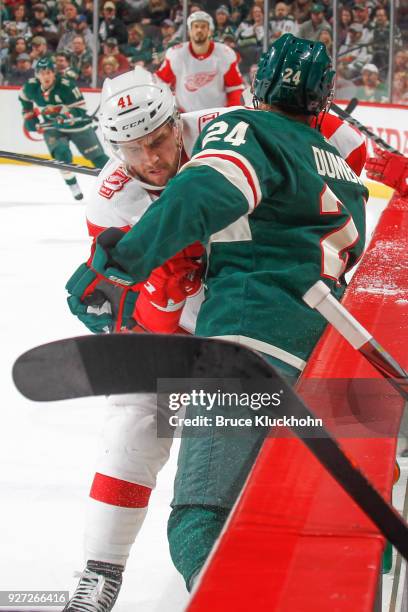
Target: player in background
{"x": 203, "y": 73}
{"x": 54, "y": 106}
{"x": 124, "y": 190}
{"x": 280, "y": 209}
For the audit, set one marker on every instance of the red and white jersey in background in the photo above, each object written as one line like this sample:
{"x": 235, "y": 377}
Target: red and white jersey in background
{"x": 347, "y": 139}
{"x": 118, "y": 200}
{"x": 202, "y": 81}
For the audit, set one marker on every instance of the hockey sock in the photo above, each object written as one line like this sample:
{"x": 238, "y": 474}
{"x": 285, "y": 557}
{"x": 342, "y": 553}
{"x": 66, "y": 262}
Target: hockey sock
{"x": 115, "y": 514}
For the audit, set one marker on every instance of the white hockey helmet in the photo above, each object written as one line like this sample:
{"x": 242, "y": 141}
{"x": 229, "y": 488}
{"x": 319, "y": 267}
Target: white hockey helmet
{"x": 133, "y": 105}
{"x": 200, "y": 16}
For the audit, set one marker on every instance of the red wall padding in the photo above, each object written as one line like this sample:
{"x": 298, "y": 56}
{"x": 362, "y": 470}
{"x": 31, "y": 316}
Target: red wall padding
{"x": 296, "y": 541}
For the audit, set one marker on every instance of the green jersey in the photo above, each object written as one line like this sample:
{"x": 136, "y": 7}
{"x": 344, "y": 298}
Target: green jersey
{"x": 63, "y": 97}
{"x": 278, "y": 209}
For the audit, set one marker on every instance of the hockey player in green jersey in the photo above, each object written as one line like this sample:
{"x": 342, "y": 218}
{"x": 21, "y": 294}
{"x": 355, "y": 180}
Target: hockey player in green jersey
{"x": 59, "y": 103}
{"x": 278, "y": 209}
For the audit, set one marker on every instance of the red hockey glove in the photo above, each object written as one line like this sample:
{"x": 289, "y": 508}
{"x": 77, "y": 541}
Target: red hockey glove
{"x": 163, "y": 295}
{"x": 390, "y": 169}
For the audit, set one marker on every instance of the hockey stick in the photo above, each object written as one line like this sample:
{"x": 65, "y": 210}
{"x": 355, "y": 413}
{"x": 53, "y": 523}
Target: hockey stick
{"x": 49, "y": 163}
{"x": 347, "y": 117}
{"x": 320, "y": 298}
{"x": 131, "y": 363}
{"x": 351, "y": 106}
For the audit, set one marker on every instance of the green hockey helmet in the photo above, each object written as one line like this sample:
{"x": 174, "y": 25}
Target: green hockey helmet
{"x": 295, "y": 74}
{"x": 45, "y": 63}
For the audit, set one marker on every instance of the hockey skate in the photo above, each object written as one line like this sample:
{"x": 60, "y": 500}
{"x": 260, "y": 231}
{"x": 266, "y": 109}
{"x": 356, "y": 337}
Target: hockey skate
{"x": 75, "y": 188}
{"x": 98, "y": 588}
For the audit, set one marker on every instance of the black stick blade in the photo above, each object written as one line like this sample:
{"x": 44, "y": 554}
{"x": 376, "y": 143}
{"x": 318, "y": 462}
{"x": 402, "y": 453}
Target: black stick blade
{"x": 128, "y": 363}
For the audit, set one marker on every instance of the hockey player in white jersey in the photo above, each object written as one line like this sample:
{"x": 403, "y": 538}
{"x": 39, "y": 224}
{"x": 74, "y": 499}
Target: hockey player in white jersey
{"x": 204, "y": 73}
{"x": 149, "y": 142}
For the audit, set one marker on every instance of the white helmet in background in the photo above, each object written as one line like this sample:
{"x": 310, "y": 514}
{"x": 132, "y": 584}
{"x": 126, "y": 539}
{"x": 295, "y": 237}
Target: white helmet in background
{"x": 133, "y": 105}
{"x": 200, "y": 16}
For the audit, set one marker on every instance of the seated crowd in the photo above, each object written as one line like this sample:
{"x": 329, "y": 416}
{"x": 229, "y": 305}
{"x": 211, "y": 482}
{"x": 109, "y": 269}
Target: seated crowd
{"x": 138, "y": 32}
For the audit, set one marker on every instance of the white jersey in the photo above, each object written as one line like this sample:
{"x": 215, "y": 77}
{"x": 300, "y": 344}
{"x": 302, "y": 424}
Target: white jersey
{"x": 204, "y": 81}
{"x": 119, "y": 200}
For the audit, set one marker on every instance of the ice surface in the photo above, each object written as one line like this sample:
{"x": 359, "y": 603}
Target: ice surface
{"x": 47, "y": 451}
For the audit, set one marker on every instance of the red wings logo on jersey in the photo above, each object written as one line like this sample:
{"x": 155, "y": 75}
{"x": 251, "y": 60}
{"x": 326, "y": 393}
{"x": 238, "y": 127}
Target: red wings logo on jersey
{"x": 195, "y": 81}
{"x": 113, "y": 183}
{"x": 204, "y": 119}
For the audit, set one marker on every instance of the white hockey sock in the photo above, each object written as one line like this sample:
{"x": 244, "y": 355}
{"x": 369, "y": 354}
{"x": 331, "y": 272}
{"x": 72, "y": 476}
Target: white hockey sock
{"x": 115, "y": 513}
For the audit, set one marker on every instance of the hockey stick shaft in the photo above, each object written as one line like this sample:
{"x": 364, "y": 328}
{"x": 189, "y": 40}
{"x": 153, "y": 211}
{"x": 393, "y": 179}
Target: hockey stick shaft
{"x": 49, "y": 163}
{"x": 351, "y": 106}
{"x": 320, "y": 298}
{"x": 353, "y": 121}
{"x": 328, "y": 452}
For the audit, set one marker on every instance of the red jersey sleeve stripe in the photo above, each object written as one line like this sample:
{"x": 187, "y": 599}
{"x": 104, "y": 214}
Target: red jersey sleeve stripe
{"x": 165, "y": 73}
{"x": 233, "y": 77}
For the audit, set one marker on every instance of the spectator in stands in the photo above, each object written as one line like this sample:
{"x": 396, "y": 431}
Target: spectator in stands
{"x": 311, "y": 29}
{"x": 81, "y": 28}
{"x": 401, "y": 61}
{"x": 230, "y": 41}
{"x": 354, "y": 53}
{"x": 238, "y": 11}
{"x": 301, "y": 10}
{"x": 325, "y": 37}
{"x": 380, "y": 41}
{"x": 62, "y": 63}
{"x": 346, "y": 17}
{"x": 15, "y": 48}
{"x": 361, "y": 14}
{"x": 250, "y": 32}
{"x": 400, "y": 88}
{"x": 22, "y": 71}
{"x": 282, "y": 22}
{"x": 87, "y": 11}
{"x": 327, "y": 10}
{"x": 176, "y": 13}
{"x": 109, "y": 68}
{"x": 203, "y": 73}
{"x": 67, "y": 27}
{"x": 345, "y": 88}
{"x": 42, "y": 26}
{"x": 372, "y": 90}
{"x": 39, "y": 49}
{"x": 11, "y": 30}
{"x": 169, "y": 38}
{"x": 111, "y": 49}
{"x": 80, "y": 54}
{"x": 155, "y": 13}
{"x": 67, "y": 17}
{"x": 20, "y": 18}
{"x": 111, "y": 26}
{"x": 222, "y": 23}
{"x": 85, "y": 78}
{"x": 139, "y": 48}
